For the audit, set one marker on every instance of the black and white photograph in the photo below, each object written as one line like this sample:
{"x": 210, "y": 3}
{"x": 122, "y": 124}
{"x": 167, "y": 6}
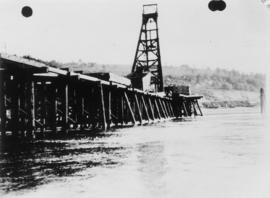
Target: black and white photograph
{"x": 134, "y": 98}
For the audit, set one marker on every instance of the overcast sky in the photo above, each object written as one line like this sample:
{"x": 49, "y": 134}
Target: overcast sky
{"x": 106, "y": 31}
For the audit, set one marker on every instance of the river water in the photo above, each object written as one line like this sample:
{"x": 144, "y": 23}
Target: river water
{"x": 223, "y": 154}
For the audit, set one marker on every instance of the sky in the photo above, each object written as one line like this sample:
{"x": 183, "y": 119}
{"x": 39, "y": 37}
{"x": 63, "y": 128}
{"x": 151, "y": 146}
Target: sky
{"x": 106, "y": 31}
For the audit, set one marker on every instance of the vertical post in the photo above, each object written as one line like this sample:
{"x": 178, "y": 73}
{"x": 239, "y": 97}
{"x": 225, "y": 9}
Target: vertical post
{"x": 122, "y": 108}
{"x": 109, "y": 107}
{"x": 2, "y": 105}
{"x": 43, "y": 106}
{"x": 102, "y": 106}
{"x": 33, "y": 108}
{"x": 82, "y": 116}
{"x": 66, "y": 105}
{"x": 54, "y": 107}
{"x": 13, "y": 87}
{"x": 262, "y": 100}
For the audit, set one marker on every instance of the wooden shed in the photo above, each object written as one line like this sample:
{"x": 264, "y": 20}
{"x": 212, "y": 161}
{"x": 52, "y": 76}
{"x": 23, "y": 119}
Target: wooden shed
{"x": 142, "y": 81}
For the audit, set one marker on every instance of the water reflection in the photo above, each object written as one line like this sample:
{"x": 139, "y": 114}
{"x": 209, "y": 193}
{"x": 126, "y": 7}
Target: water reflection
{"x": 28, "y": 164}
{"x": 152, "y": 166}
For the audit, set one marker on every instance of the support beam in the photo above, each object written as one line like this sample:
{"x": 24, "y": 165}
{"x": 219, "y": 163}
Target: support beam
{"x": 156, "y": 105}
{"x": 102, "y": 106}
{"x": 3, "y": 106}
{"x": 194, "y": 109}
{"x": 184, "y": 108}
{"x": 66, "y": 109}
{"x": 54, "y": 104}
{"x": 171, "y": 108}
{"x": 166, "y": 103}
{"x": 162, "y": 108}
{"x": 109, "y": 108}
{"x": 43, "y": 106}
{"x": 145, "y": 108}
{"x": 199, "y": 108}
{"x": 165, "y": 108}
{"x": 138, "y": 107}
{"x": 151, "y": 108}
{"x": 121, "y": 109}
{"x": 14, "y": 106}
{"x": 129, "y": 107}
{"x": 33, "y": 108}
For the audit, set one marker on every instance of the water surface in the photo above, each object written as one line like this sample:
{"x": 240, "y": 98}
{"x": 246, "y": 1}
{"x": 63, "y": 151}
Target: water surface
{"x": 223, "y": 154}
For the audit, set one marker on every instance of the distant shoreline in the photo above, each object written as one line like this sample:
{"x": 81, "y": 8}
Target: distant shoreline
{"x": 228, "y": 104}
{"x": 214, "y": 99}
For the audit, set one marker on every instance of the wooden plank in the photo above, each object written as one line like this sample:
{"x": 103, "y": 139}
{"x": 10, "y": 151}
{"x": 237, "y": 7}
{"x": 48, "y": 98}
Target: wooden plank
{"x": 129, "y": 107}
{"x": 145, "y": 108}
{"x": 138, "y": 107}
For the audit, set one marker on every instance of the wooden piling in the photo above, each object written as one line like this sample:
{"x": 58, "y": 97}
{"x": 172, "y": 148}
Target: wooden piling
{"x": 138, "y": 107}
{"x": 157, "y": 108}
{"x": 3, "y": 106}
{"x": 102, "y": 107}
{"x": 109, "y": 108}
{"x": 151, "y": 108}
{"x": 54, "y": 108}
{"x": 199, "y": 108}
{"x": 129, "y": 108}
{"x": 43, "y": 106}
{"x": 145, "y": 108}
{"x": 66, "y": 108}
{"x": 33, "y": 108}
{"x": 262, "y": 100}
{"x": 121, "y": 109}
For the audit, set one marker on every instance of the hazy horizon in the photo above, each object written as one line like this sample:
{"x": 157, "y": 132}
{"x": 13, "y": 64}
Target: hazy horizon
{"x": 106, "y": 32}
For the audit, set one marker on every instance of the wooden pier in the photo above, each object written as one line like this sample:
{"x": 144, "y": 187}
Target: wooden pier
{"x": 38, "y": 99}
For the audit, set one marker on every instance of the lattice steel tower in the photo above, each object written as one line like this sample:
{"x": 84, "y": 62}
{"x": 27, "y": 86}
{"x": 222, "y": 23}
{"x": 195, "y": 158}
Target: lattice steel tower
{"x": 147, "y": 57}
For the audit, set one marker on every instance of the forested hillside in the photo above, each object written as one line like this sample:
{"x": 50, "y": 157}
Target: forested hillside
{"x": 213, "y": 79}
{"x": 219, "y": 87}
